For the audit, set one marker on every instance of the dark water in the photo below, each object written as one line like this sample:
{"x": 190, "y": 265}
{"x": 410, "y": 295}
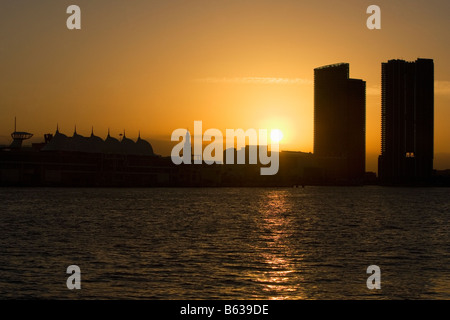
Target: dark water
{"x": 312, "y": 243}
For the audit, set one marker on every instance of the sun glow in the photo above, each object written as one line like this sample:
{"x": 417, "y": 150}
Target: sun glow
{"x": 276, "y": 135}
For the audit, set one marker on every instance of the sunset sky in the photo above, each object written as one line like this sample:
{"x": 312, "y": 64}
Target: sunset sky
{"x": 156, "y": 66}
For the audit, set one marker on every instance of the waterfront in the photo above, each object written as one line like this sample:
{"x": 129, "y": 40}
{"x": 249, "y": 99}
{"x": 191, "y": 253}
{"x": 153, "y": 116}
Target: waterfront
{"x": 225, "y": 243}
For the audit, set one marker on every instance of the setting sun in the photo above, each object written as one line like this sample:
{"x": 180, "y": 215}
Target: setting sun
{"x": 276, "y": 135}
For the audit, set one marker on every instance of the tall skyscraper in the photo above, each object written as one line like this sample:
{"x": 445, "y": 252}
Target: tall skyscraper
{"x": 407, "y": 121}
{"x": 340, "y": 120}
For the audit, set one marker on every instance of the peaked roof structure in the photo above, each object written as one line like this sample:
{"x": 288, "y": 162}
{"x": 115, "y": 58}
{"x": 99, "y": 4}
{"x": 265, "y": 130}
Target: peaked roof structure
{"x": 95, "y": 144}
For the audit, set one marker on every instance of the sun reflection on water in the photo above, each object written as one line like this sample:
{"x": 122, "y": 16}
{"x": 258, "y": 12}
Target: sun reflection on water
{"x": 281, "y": 276}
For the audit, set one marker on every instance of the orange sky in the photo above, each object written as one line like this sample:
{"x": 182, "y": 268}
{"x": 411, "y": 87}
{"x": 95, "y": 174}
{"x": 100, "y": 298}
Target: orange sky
{"x": 155, "y": 66}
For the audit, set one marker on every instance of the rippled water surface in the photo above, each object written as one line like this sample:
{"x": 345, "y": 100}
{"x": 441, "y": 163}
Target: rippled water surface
{"x": 236, "y": 243}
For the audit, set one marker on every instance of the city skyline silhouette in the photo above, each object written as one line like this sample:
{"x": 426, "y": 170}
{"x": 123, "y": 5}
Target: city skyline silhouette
{"x": 123, "y": 70}
{"x": 224, "y": 155}
{"x": 335, "y": 114}
{"x": 339, "y": 141}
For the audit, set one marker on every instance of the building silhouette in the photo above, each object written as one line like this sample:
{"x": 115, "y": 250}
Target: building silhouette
{"x": 407, "y": 117}
{"x": 340, "y": 122}
{"x": 94, "y": 144}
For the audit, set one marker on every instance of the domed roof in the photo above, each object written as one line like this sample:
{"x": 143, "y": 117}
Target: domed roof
{"x": 94, "y": 143}
{"x": 127, "y": 145}
{"x": 77, "y": 142}
{"x": 58, "y": 142}
{"x": 143, "y": 147}
{"x": 111, "y": 145}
